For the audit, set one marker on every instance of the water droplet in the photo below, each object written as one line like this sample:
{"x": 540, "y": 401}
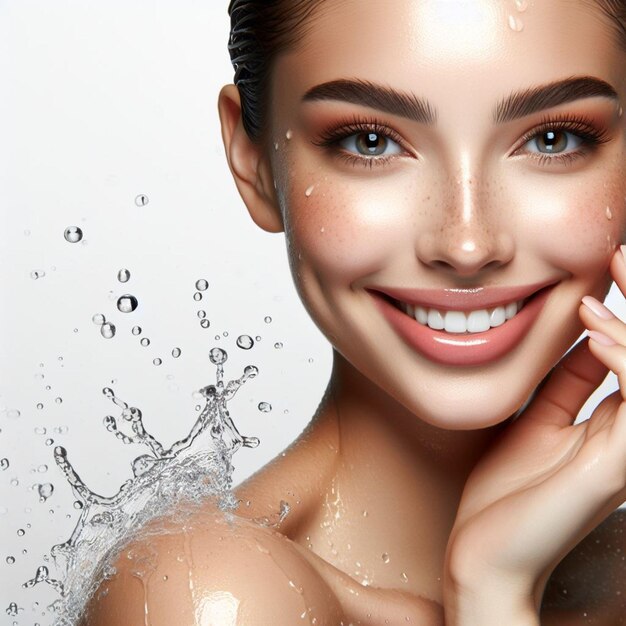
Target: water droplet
{"x": 98, "y": 319}
{"x": 620, "y": 112}
{"x": 201, "y": 314}
{"x": 136, "y": 330}
{"x": 157, "y": 361}
{"x": 275, "y": 145}
{"x": 251, "y": 371}
{"x": 267, "y": 319}
{"x": 145, "y": 342}
{"x": 257, "y": 338}
{"x": 322, "y": 229}
{"x": 521, "y": 5}
{"x": 42, "y": 469}
{"x": 107, "y": 330}
{"x": 245, "y": 342}
{"x": 608, "y": 213}
{"x": 12, "y": 413}
{"x": 123, "y": 275}
{"x": 309, "y": 190}
{"x": 202, "y": 284}
{"x": 49, "y": 442}
{"x": 58, "y": 400}
{"x": 176, "y": 352}
{"x": 40, "y": 430}
{"x": 385, "y": 557}
{"x": 48, "y": 387}
{"x": 45, "y": 491}
{"x": 40, "y": 405}
{"x": 310, "y": 360}
{"x": 218, "y": 356}
{"x": 127, "y": 303}
{"x": 12, "y": 609}
{"x": 21, "y": 532}
{"x": 289, "y": 134}
{"x": 108, "y": 392}
{"x": 515, "y": 23}
{"x": 4, "y": 464}
{"x": 35, "y": 274}
{"x": 197, "y": 296}
{"x": 15, "y": 482}
{"x": 73, "y": 234}
{"x": 10, "y": 560}
{"x": 265, "y": 407}
{"x": 141, "y": 200}
{"x": 278, "y": 345}
{"x": 205, "y": 323}
{"x": 78, "y": 505}
{"x": 404, "y": 578}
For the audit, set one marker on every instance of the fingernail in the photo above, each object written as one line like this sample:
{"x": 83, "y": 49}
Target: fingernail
{"x": 601, "y": 338}
{"x": 598, "y": 308}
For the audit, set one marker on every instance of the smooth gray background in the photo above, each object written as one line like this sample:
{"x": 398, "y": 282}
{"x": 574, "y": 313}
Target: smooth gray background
{"x": 102, "y": 101}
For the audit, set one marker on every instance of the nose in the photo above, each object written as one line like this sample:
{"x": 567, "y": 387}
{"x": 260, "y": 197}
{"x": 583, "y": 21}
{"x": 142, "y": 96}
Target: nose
{"x": 467, "y": 233}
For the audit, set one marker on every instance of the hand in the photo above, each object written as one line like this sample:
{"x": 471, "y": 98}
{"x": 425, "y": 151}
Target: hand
{"x": 545, "y": 484}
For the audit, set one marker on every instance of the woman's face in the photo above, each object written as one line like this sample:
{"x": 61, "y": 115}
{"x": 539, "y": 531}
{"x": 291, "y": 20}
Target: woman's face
{"x": 482, "y": 164}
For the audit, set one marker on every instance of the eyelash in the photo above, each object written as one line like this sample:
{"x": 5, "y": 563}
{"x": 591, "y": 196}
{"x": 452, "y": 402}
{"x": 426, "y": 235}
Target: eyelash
{"x": 580, "y": 126}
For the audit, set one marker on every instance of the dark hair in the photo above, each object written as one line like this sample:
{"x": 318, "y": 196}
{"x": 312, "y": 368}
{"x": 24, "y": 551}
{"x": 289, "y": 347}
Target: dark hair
{"x": 260, "y": 30}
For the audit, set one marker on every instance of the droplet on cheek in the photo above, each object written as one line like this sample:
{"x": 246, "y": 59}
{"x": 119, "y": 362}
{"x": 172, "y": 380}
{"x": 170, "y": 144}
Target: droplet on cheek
{"x": 322, "y": 229}
{"x": 289, "y": 134}
{"x": 515, "y": 23}
{"x": 608, "y": 213}
{"x": 309, "y": 190}
{"x": 521, "y": 5}
{"x": 275, "y": 145}
{"x": 620, "y": 112}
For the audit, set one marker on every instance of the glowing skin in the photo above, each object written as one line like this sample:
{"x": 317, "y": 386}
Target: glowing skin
{"x": 463, "y": 204}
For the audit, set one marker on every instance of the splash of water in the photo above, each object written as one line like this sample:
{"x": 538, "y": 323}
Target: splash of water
{"x": 192, "y": 470}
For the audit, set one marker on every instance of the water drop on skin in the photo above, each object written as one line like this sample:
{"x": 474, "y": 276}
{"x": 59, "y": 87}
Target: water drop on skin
{"x": 515, "y": 23}
{"x": 123, "y": 275}
{"x": 289, "y": 134}
{"x": 245, "y": 342}
{"x": 275, "y": 145}
{"x": 141, "y": 200}
{"x": 521, "y": 5}
{"x": 309, "y": 190}
{"x": 127, "y": 303}
{"x": 107, "y": 330}
{"x": 385, "y": 557}
{"x": 73, "y": 234}
{"x": 608, "y": 213}
{"x": 404, "y": 578}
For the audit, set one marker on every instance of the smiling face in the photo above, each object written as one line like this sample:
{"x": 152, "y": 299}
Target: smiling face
{"x": 466, "y": 167}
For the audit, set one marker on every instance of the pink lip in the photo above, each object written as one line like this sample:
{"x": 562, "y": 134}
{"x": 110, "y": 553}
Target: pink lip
{"x": 465, "y": 349}
{"x": 463, "y": 299}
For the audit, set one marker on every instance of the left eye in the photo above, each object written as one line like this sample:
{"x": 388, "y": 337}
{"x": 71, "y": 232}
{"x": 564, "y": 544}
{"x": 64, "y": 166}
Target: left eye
{"x": 370, "y": 144}
{"x": 555, "y": 141}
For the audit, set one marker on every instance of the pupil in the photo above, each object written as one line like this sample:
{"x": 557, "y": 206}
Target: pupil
{"x": 554, "y": 141}
{"x": 372, "y": 143}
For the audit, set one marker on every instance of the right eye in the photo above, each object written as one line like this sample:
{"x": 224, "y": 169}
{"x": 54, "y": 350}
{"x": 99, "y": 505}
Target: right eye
{"x": 370, "y": 143}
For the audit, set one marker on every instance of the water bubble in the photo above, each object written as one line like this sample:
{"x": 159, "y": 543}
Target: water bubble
{"x": 12, "y": 413}
{"x": 73, "y": 234}
{"x": 45, "y": 491}
{"x": 309, "y": 190}
{"x": 251, "y": 371}
{"x": 515, "y": 23}
{"x": 257, "y": 338}
{"x": 98, "y": 319}
{"x": 35, "y": 274}
{"x": 245, "y": 342}
{"x": 42, "y": 469}
{"x": 267, "y": 319}
{"x": 145, "y": 342}
{"x": 15, "y": 482}
{"x": 201, "y": 314}
{"x": 39, "y": 405}
{"x": 107, "y": 330}
{"x": 12, "y": 609}
{"x": 40, "y": 430}
{"x": 278, "y": 345}
{"x": 49, "y": 442}
{"x": 78, "y": 505}
{"x": 58, "y": 400}
{"x": 197, "y": 296}
{"x": 127, "y": 303}
{"x": 136, "y": 330}
{"x": 157, "y": 361}
{"x": 21, "y": 532}
{"x": 108, "y": 392}
{"x": 265, "y": 407}
{"x": 123, "y": 275}
{"x": 205, "y": 323}
{"x": 202, "y": 285}
{"x": 176, "y": 352}
{"x": 218, "y": 356}
{"x": 10, "y": 560}
{"x": 141, "y": 200}
{"x": 4, "y": 464}
{"x": 225, "y": 333}
{"x": 48, "y": 387}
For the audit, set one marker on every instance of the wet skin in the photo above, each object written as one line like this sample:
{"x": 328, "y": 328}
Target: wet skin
{"x": 371, "y": 199}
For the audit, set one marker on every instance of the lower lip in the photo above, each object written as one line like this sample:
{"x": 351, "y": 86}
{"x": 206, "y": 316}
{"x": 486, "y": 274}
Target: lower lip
{"x": 464, "y": 349}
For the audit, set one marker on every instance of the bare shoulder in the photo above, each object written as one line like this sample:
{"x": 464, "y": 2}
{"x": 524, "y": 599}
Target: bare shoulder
{"x": 213, "y": 571}
{"x": 589, "y": 585}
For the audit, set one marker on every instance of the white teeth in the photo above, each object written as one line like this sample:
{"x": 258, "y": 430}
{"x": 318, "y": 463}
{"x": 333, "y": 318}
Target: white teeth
{"x": 460, "y": 322}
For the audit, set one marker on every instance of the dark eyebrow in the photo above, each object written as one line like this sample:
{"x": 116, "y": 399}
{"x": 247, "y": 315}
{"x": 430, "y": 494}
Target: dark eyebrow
{"x": 404, "y": 104}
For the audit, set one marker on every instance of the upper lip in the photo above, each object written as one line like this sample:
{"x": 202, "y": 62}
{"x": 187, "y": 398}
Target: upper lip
{"x": 463, "y": 299}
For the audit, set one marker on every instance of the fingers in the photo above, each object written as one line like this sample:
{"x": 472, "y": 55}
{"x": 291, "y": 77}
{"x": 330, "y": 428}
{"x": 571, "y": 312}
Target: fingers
{"x": 569, "y": 386}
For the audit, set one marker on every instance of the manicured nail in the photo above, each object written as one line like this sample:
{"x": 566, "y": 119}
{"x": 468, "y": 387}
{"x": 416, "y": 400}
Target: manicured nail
{"x": 601, "y": 338}
{"x": 598, "y": 308}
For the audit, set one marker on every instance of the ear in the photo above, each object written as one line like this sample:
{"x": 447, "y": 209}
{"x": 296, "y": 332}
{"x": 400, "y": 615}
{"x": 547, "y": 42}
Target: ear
{"x": 248, "y": 164}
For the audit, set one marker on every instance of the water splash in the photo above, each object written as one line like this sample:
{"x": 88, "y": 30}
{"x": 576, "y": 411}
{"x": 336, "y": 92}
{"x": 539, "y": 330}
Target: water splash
{"x": 190, "y": 471}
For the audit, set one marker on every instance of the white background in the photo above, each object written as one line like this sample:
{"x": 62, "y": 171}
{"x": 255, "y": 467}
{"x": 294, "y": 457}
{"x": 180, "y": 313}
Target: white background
{"x": 100, "y": 102}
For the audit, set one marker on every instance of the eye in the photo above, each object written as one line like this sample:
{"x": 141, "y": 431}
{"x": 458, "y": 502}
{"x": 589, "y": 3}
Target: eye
{"x": 370, "y": 143}
{"x": 555, "y": 142}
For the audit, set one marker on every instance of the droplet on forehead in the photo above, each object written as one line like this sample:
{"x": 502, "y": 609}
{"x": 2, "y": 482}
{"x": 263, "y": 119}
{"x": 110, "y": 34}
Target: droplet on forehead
{"x": 515, "y": 23}
{"x": 289, "y": 134}
{"x": 309, "y": 190}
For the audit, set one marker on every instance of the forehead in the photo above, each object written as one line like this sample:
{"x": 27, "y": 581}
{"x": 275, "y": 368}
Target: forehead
{"x": 447, "y": 49}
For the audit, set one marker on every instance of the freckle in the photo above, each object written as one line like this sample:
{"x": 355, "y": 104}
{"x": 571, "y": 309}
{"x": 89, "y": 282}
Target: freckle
{"x": 289, "y": 134}
{"x": 309, "y": 191}
{"x": 608, "y": 213}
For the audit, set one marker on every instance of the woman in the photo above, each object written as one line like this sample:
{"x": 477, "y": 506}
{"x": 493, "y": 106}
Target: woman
{"x": 450, "y": 178}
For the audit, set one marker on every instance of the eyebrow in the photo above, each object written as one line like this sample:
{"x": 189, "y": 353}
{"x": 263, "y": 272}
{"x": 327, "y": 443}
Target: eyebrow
{"x": 408, "y": 105}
